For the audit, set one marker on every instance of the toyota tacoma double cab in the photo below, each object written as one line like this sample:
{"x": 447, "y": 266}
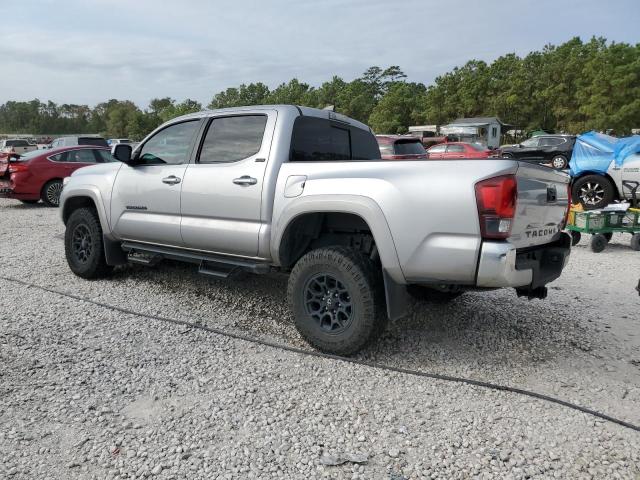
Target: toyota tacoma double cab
{"x": 304, "y": 191}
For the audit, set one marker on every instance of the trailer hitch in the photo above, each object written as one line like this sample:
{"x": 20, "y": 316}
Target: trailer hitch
{"x": 531, "y": 293}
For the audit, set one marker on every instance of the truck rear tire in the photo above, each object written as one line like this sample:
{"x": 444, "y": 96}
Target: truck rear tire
{"x": 635, "y": 242}
{"x": 337, "y": 298}
{"x": 83, "y": 245}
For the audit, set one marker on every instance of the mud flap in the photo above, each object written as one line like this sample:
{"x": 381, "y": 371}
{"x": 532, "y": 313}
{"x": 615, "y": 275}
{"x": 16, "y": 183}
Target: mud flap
{"x": 396, "y": 297}
{"x": 113, "y": 253}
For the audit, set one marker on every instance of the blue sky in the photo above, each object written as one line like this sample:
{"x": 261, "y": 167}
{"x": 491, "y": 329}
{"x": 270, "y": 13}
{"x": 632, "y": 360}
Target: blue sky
{"x": 87, "y": 51}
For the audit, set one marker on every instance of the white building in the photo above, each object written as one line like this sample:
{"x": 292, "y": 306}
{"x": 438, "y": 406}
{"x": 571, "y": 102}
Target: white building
{"x": 484, "y": 130}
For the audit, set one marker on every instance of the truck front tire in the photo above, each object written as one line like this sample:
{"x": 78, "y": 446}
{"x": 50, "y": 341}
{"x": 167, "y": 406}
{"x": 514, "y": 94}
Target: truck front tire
{"x": 83, "y": 245}
{"x": 337, "y": 298}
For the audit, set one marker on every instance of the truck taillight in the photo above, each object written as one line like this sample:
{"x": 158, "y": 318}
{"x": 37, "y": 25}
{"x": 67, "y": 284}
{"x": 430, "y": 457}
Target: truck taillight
{"x": 566, "y": 213}
{"x": 496, "y": 199}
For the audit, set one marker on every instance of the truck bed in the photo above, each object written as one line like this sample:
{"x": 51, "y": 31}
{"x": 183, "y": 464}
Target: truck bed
{"x": 430, "y": 207}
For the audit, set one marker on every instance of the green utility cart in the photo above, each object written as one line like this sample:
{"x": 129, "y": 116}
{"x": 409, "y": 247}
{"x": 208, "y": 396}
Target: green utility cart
{"x": 603, "y": 224}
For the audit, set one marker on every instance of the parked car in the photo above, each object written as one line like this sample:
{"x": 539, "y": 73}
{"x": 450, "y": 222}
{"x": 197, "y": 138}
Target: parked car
{"x": 399, "y": 147}
{"x": 233, "y": 190}
{"x": 16, "y": 145}
{"x": 553, "y": 149}
{"x": 428, "y": 134}
{"x": 38, "y": 175}
{"x": 453, "y": 150}
{"x": 74, "y": 141}
{"x": 605, "y": 169}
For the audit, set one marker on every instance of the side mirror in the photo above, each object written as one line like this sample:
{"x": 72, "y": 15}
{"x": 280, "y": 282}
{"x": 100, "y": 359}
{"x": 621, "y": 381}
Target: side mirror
{"x": 122, "y": 152}
{"x": 520, "y": 145}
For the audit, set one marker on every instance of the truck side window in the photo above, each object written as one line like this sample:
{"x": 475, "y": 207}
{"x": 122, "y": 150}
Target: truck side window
{"x": 170, "y": 146}
{"x": 317, "y": 139}
{"x": 231, "y": 139}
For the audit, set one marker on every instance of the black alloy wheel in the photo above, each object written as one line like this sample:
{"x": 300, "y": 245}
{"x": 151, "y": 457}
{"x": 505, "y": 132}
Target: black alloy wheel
{"x": 328, "y": 302}
{"x": 82, "y": 243}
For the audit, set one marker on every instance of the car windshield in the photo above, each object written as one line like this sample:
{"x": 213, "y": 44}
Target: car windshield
{"x": 409, "y": 147}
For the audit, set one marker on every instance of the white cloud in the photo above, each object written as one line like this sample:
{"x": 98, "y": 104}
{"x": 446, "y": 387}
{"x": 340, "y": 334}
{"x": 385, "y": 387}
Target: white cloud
{"x": 88, "y": 51}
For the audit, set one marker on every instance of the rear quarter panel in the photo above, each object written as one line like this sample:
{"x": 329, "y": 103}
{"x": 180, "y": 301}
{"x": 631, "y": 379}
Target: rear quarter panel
{"x": 428, "y": 206}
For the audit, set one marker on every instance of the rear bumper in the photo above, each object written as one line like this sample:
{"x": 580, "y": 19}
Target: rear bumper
{"x": 502, "y": 265}
{"x": 8, "y": 190}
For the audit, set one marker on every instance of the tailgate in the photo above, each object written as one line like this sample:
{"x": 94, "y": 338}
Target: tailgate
{"x": 543, "y": 199}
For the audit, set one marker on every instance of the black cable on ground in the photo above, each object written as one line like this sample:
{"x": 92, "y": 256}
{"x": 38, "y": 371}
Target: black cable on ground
{"x": 288, "y": 348}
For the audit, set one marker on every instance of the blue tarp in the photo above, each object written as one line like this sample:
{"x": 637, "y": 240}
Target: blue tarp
{"x": 594, "y": 152}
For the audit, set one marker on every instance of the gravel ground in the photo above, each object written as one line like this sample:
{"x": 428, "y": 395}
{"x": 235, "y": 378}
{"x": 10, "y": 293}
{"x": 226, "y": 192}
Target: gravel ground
{"x": 87, "y": 392}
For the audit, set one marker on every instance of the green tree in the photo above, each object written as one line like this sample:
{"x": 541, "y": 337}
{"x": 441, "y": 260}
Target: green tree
{"x": 398, "y": 108}
{"x": 294, "y": 92}
{"x": 252, "y": 94}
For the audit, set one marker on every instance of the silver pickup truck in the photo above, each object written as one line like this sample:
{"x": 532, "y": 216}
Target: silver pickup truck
{"x": 304, "y": 191}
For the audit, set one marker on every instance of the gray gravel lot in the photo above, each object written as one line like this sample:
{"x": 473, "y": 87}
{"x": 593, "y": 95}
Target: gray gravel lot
{"x": 87, "y": 392}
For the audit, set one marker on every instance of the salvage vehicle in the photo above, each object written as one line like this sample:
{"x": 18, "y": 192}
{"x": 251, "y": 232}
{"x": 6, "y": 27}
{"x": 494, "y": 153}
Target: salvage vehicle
{"x": 38, "y": 175}
{"x": 72, "y": 141}
{"x": 304, "y": 191}
{"x": 400, "y": 147}
{"x": 553, "y": 149}
{"x": 605, "y": 169}
{"x": 16, "y": 146}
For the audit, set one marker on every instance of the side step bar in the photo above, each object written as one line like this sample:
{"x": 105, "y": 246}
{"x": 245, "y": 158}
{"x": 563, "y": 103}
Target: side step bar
{"x": 215, "y": 265}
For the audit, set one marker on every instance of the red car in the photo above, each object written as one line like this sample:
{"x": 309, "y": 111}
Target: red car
{"x": 453, "y": 150}
{"x": 38, "y": 175}
{"x": 398, "y": 147}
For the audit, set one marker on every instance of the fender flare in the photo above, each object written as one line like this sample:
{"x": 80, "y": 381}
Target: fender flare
{"x": 114, "y": 254}
{"x": 364, "y": 207}
{"x": 93, "y": 193}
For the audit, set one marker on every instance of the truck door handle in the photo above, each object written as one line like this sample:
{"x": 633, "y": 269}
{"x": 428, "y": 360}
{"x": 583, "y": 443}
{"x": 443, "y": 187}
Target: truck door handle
{"x": 171, "y": 180}
{"x": 245, "y": 180}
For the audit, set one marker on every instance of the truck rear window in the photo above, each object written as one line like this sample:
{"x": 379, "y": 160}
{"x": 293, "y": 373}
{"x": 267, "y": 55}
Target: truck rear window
{"x": 17, "y": 143}
{"x": 319, "y": 140}
{"x": 96, "y": 141}
{"x": 409, "y": 147}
